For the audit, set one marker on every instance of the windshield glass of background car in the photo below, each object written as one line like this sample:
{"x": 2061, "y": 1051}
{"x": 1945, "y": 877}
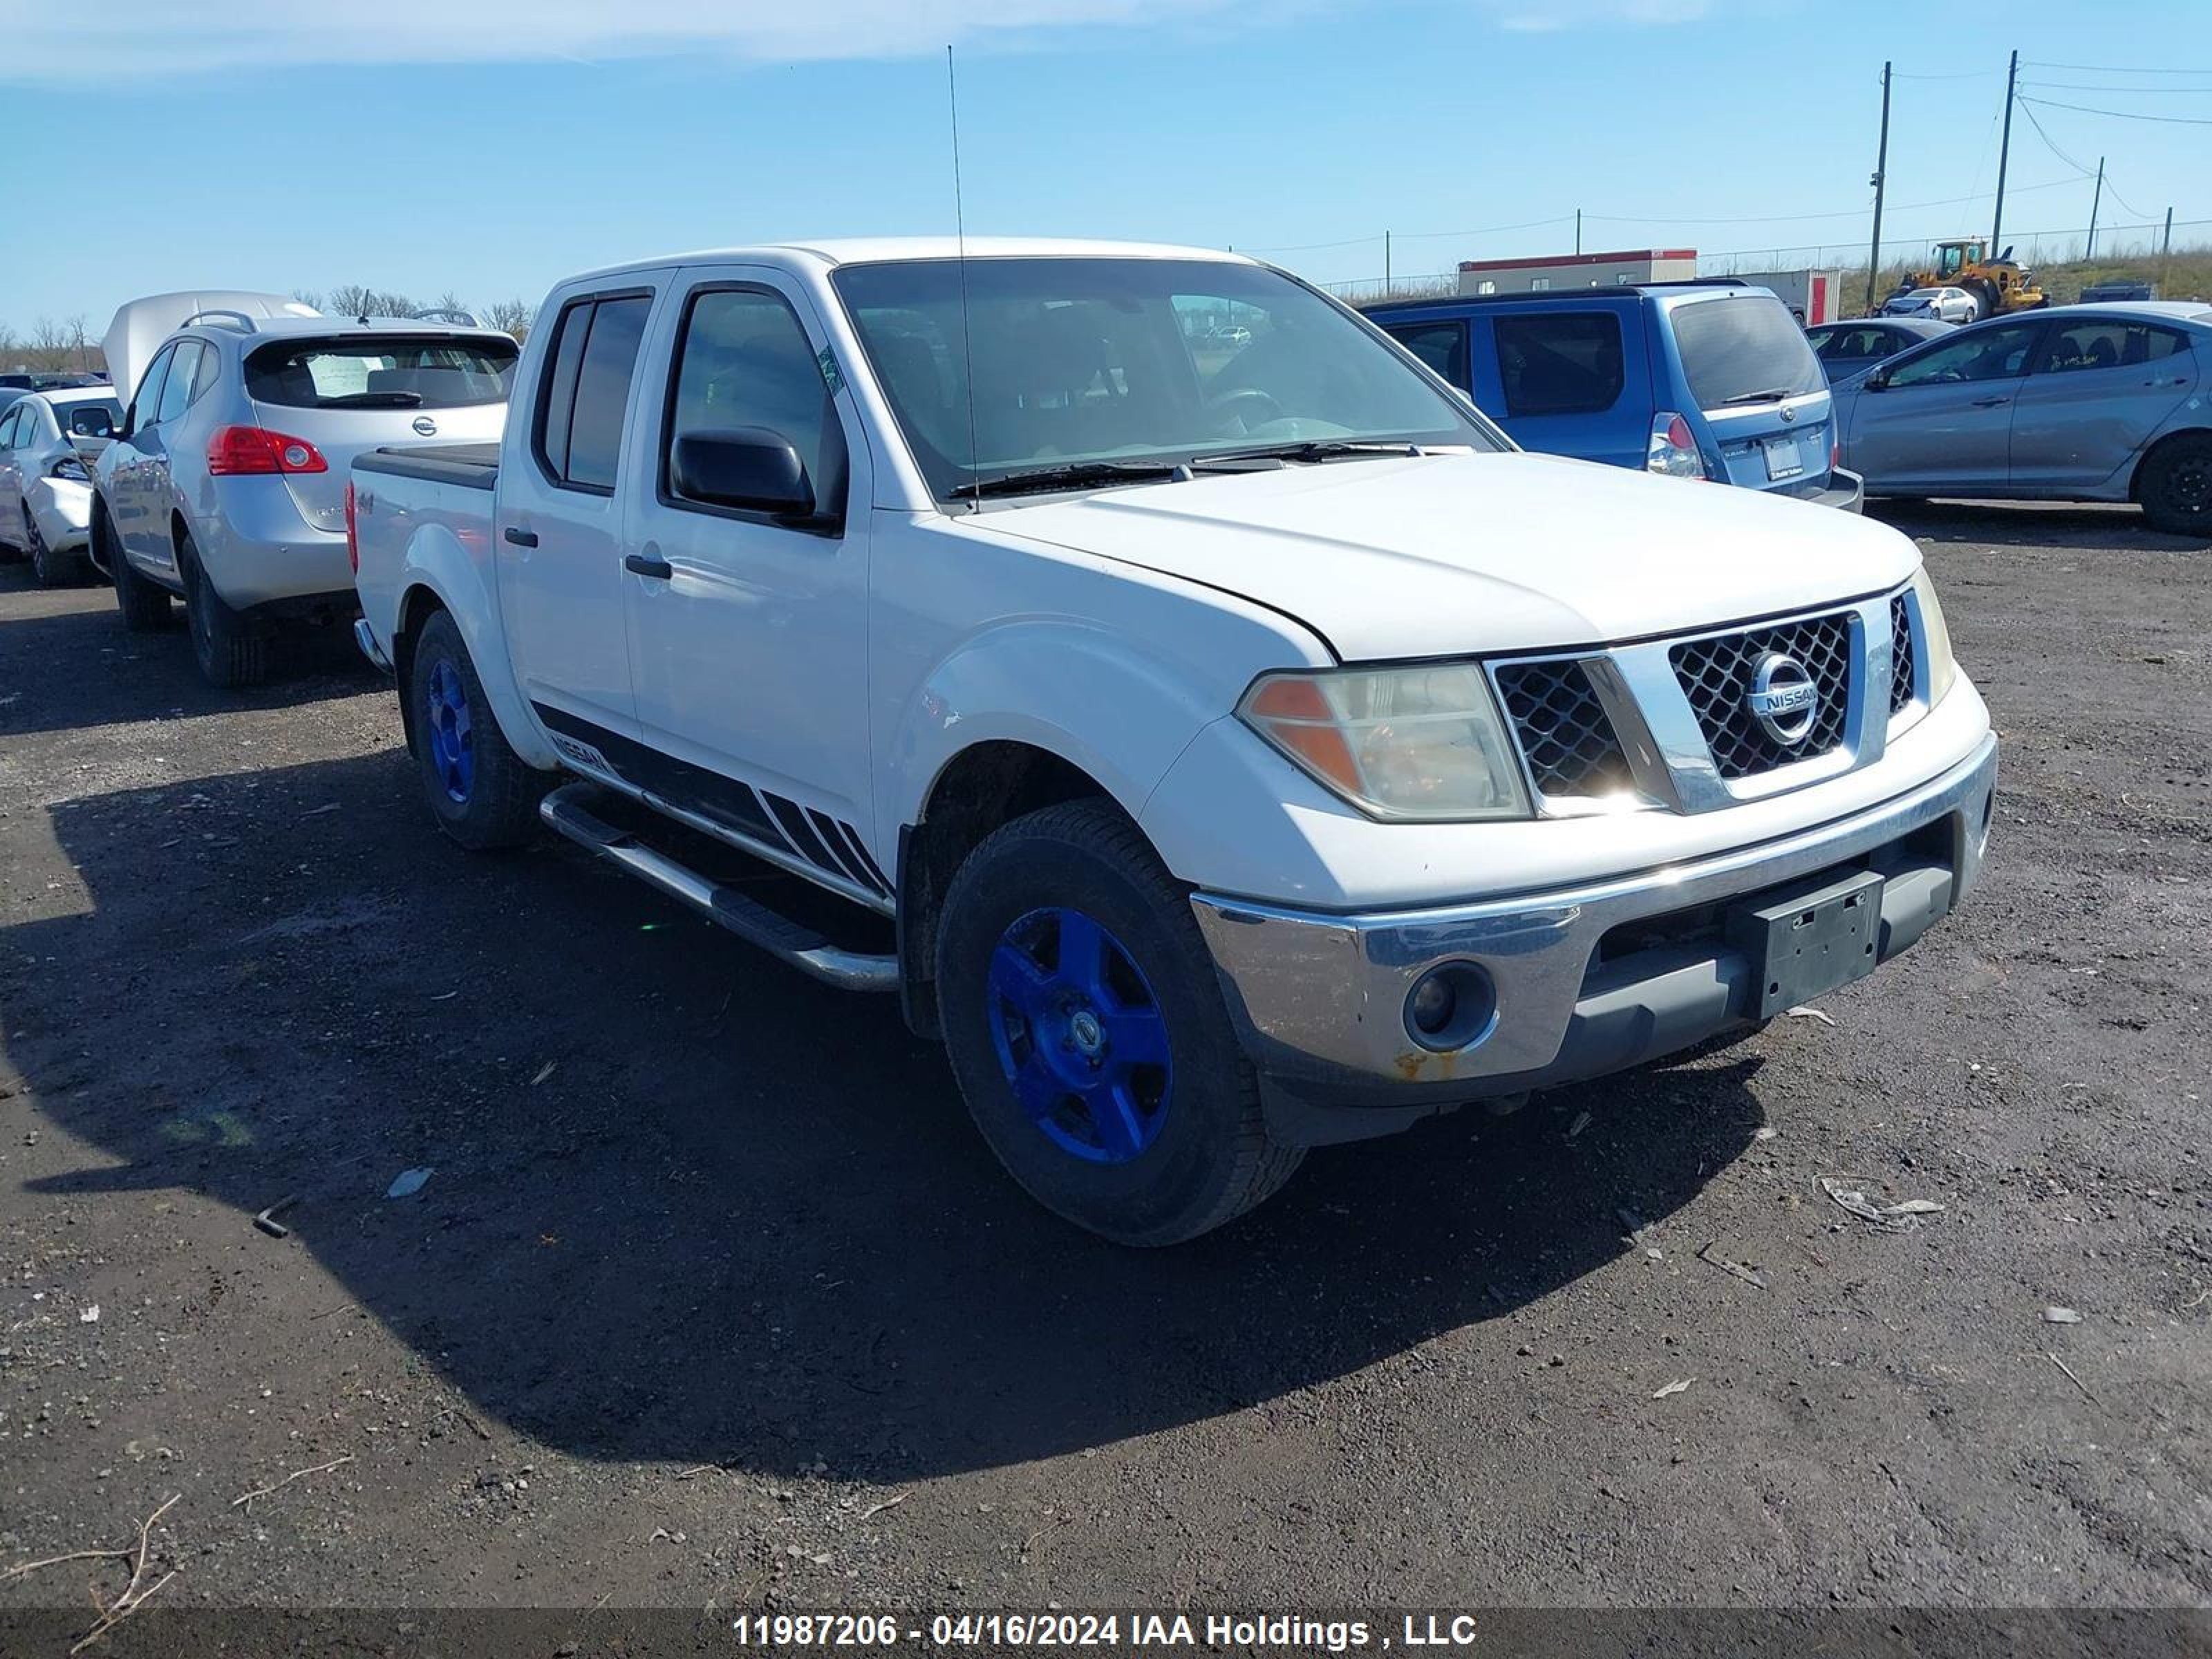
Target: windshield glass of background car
{"x": 1127, "y": 359}
{"x": 1741, "y": 345}
{"x": 374, "y": 372}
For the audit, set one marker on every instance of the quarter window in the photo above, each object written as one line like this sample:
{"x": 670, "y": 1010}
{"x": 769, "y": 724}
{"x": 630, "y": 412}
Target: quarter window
{"x": 1441, "y": 346}
{"x": 587, "y": 394}
{"x": 1562, "y": 364}
{"x": 745, "y": 361}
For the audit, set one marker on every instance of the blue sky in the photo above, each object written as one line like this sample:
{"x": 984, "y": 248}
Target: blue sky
{"x": 489, "y": 147}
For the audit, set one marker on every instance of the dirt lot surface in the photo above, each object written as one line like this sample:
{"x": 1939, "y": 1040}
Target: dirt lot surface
{"x": 712, "y": 1295}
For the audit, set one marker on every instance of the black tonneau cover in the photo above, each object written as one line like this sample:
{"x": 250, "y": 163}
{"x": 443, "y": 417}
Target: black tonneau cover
{"x": 473, "y": 466}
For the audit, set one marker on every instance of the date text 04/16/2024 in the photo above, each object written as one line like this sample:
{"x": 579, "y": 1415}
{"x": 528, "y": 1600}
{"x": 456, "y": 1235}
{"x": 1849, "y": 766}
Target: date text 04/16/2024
{"x": 1133, "y": 1631}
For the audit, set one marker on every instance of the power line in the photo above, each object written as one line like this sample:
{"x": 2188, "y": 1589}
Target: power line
{"x": 2121, "y": 92}
{"x": 2109, "y": 68}
{"x": 2124, "y": 114}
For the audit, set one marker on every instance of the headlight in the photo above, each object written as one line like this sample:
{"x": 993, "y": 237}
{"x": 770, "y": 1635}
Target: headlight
{"x": 1942, "y": 668}
{"x": 1424, "y": 742}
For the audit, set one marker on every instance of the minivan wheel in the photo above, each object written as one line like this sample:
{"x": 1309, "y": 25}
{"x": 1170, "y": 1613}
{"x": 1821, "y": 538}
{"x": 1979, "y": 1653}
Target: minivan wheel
{"x": 482, "y": 794}
{"x": 1085, "y": 1025}
{"x": 2176, "y": 486}
{"x": 230, "y": 649}
{"x": 143, "y": 603}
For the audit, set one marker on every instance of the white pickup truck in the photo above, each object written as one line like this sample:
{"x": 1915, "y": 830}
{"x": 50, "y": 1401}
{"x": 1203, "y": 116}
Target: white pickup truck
{"x": 1237, "y": 745}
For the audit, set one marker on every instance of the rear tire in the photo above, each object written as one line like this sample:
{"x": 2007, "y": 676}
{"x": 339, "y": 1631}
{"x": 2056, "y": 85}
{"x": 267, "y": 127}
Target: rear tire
{"x": 2175, "y": 486}
{"x": 48, "y": 568}
{"x": 1150, "y": 1142}
{"x": 143, "y": 603}
{"x": 482, "y": 794}
{"x": 231, "y": 649}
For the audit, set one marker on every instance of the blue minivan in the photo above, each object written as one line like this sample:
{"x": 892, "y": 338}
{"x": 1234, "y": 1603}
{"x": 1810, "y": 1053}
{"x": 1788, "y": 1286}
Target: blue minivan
{"x": 1704, "y": 379}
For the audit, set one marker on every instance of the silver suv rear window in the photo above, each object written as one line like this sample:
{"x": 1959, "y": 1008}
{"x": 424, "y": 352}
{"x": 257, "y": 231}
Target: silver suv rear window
{"x": 1742, "y": 348}
{"x": 375, "y": 371}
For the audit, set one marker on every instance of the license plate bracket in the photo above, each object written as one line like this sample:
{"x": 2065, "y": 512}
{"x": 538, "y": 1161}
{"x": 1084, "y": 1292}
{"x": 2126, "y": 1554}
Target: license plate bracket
{"x": 1785, "y": 458}
{"x": 1804, "y": 942}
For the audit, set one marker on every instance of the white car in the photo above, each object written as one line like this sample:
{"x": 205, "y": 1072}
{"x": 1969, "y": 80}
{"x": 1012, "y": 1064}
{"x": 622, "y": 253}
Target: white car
{"x": 1945, "y": 305}
{"x": 48, "y": 443}
{"x": 1225, "y": 756}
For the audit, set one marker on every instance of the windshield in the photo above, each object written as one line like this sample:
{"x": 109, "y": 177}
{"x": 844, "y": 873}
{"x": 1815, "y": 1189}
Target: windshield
{"x": 1131, "y": 360}
{"x": 1743, "y": 347}
{"x": 380, "y": 372}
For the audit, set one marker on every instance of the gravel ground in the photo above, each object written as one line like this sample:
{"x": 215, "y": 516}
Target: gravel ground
{"x": 713, "y": 1298}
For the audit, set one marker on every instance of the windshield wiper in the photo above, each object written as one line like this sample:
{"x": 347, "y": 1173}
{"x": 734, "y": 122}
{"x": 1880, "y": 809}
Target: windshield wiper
{"x": 1076, "y": 475}
{"x": 375, "y": 400}
{"x": 1772, "y": 395}
{"x": 1312, "y": 451}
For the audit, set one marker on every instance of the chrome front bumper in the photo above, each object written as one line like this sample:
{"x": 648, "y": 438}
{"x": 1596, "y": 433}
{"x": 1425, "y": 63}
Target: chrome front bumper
{"x": 1320, "y": 999}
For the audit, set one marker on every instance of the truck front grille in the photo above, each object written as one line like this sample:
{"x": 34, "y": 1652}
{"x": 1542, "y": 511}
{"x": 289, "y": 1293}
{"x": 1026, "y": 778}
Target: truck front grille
{"x": 1716, "y": 676}
{"x": 1900, "y": 661}
{"x": 1563, "y": 730}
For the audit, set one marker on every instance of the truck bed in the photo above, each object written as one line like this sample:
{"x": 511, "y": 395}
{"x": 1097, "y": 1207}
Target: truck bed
{"x": 473, "y": 466}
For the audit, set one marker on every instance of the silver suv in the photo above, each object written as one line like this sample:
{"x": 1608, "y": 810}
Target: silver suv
{"x": 226, "y": 486}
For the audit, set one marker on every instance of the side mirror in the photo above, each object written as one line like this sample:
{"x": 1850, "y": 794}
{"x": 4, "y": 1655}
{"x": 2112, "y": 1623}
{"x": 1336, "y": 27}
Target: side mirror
{"x": 747, "y": 468}
{"x": 1877, "y": 381}
{"x": 92, "y": 424}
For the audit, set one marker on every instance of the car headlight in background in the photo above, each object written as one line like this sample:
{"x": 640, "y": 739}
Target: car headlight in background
{"x": 1421, "y": 742}
{"x": 1942, "y": 668}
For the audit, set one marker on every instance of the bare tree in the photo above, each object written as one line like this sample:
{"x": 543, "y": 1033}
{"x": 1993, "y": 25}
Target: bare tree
{"x": 513, "y": 316}
{"x": 308, "y": 297}
{"x": 49, "y": 345}
{"x": 80, "y": 346}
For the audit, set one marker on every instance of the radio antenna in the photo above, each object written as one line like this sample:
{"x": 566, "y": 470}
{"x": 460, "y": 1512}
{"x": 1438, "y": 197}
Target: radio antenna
{"x": 960, "y": 235}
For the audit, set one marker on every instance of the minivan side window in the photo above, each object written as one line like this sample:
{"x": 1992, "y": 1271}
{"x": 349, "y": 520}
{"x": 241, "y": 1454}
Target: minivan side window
{"x": 1565, "y": 362}
{"x": 1441, "y": 346}
{"x": 148, "y": 396}
{"x": 581, "y": 406}
{"x": 744, "y": 360}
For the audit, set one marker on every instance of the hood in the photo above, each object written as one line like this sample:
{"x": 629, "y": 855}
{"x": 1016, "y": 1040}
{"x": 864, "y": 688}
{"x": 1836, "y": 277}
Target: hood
{"x": 139, "y": 326}
{"x": 1438, "y": 554}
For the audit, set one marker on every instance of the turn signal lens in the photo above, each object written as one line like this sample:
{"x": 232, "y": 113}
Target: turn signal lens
{"x": 1421, "y": 742}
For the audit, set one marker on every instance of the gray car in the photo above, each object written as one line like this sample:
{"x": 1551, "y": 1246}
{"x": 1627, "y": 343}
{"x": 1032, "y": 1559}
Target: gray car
{"x": 225, "y": 486}
{"x": 49, "y": 442}
{"x": 2082, "y": 403}
{"x": 1850, "y": 348}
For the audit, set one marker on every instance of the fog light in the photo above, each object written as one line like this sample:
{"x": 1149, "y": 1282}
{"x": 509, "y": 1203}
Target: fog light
{"x": 1453, "y": 1006}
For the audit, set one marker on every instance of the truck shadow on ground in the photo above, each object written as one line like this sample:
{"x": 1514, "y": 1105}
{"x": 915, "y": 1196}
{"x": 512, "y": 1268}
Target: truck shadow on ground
{"x": 115, "y": 676}
{"x": 2042, "y": 526}
{"x": 688, "y": 1205}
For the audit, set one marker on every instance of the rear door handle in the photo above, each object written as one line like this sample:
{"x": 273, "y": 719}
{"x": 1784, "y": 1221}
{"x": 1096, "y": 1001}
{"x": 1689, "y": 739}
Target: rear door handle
{"x": 521, "y": 537}
{"x": 1990, "y": 402}
{"x": 639, "y": 565}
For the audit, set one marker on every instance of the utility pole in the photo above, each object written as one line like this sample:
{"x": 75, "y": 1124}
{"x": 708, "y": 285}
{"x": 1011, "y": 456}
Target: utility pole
{"x": 2165, "y": 255}
{"x": 1578, "y": 230}
{"x": 1386, "y": 262}
{"x": 1880, "y": 180}
{"x": 2004, "y": 155}
{"x": 2095, "y": 202}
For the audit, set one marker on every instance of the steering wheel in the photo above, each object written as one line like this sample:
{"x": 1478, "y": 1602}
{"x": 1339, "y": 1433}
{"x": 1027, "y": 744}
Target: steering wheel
{"x": 1248, "y": 403}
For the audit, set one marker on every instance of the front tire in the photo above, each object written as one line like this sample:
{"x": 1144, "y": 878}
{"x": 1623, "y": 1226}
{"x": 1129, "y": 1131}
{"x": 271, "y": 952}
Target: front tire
{"x": 482, "y": 794}
{"x": 231, "y": 650}
{"x": 1086, "y": 1028}
{"x": 2176, "y": 486}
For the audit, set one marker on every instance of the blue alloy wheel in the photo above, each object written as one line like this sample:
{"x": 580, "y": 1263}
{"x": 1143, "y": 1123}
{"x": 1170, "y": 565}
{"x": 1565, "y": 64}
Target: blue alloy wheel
{"x": 453, "y": 746}
{"x": 1080, "y": 1036}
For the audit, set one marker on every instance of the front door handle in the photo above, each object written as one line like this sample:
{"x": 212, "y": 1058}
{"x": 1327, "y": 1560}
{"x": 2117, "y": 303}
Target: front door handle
{"x": 1990, "y": 402}
{"x": 521, "y": 537}
{"x": 639, "y": 564}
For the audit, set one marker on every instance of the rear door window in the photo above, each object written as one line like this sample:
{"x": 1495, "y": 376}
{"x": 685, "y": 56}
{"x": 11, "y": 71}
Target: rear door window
{"x": 586, "y": 395}
{"x": 1441, "y": 346}
{"x": 1742, "y": 349}
{"x": 1564, "y": 362}
{"x": 373, "y": 372}
{"x": 2101, "y": 343}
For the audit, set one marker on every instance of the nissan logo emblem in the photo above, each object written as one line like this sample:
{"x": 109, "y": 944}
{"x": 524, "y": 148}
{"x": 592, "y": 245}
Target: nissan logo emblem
{"x": 1783, "y": 699}
{"x": 426, "y": 426}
